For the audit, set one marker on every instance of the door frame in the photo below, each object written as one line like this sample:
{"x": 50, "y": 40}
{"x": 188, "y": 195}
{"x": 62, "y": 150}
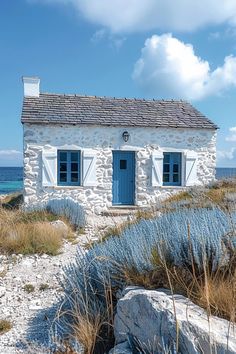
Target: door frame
{"x": 133, "y": 153}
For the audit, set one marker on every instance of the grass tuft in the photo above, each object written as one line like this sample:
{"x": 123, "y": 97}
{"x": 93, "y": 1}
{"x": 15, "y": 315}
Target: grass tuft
{"x": 39, "y": 237}
{"x": 29, "y": 288}
{"x": 5, "y": 326}
{"x": 43, "y": 287}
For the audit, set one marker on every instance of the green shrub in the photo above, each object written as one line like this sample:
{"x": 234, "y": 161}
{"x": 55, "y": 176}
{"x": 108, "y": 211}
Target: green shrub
{"x": 5, "y": 326}
{"x": 29, "y": 288}
{"x": 43, "y": 287}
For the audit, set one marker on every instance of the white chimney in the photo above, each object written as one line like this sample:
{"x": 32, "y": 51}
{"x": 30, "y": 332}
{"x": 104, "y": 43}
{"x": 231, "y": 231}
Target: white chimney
{"x": 31, "y": 86}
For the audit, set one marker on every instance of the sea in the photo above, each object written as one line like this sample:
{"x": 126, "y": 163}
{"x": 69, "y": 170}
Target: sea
{"x": 11, "y": 178}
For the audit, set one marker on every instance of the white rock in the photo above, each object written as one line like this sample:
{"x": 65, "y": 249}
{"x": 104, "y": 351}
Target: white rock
{"x": 35, "y": 307}
{"x": 60, "y": 225}
{"x": 149, "y": 315}
{"x": 2, "y": 291}
{"x": 122, "y": 348}
{"x": 44, "y": 256}
{"x": 28, "y": 262}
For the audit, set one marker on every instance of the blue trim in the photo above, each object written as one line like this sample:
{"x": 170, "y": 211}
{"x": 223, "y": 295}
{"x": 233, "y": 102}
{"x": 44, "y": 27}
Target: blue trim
{"x": 170, "y": 161}
{"x": 68, "y": 172}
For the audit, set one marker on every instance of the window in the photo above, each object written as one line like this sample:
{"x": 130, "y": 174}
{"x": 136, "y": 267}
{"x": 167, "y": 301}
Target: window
{"x": 123, "y": 164}
{"x": 68, "y": 168}
{"x": 172, "y": 169}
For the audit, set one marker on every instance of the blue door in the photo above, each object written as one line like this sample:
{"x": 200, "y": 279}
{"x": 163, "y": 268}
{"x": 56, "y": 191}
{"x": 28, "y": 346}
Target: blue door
{"x": 123, "y": 187}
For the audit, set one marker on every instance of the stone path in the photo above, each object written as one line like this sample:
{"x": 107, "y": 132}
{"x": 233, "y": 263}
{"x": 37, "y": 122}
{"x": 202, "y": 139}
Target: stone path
{"x": 31, "y": 313}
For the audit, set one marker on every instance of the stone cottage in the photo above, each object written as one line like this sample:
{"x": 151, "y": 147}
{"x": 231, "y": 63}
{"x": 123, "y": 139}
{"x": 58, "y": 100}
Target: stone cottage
{"x": 107, "y": 152}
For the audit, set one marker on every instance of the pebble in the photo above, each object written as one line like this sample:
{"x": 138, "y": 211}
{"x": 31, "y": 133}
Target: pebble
{"x": 2, "y": 291}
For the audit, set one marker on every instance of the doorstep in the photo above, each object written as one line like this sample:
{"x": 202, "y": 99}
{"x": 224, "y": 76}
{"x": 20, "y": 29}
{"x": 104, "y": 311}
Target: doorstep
{"x": 121, "y": 210}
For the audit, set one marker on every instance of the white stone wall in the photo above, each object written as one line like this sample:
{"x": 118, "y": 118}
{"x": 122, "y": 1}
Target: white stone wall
{"x": 144, "y": 141}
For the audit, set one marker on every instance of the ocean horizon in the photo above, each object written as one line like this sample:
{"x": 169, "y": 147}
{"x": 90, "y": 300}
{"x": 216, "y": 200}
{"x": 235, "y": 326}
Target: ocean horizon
{"x": 11, "y": 178}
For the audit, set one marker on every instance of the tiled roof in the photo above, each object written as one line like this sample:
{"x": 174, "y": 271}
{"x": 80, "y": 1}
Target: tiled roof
{"x": 106, "y": 111}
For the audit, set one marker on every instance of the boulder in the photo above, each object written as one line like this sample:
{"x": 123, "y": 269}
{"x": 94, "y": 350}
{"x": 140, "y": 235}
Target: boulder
{"x": 61, "y": 226}
{"x": 149, "y": 318}
{"x": 122, "y": 348}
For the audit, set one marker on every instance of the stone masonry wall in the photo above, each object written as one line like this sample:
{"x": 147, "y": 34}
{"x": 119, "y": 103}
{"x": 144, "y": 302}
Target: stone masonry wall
{"x": 144, "y": 141}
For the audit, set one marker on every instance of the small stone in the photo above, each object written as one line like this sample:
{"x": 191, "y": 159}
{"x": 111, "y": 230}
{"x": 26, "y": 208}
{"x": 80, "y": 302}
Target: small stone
{"x": 2, "y": 291}
{"x": 44, "y": 256}
{"x": 28, "y": 262}
{"x": 35, "y": 307}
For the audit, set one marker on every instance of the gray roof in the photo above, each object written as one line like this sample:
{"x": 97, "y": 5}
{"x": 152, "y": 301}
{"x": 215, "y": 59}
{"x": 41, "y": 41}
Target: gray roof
{"x": 107, "y": 111}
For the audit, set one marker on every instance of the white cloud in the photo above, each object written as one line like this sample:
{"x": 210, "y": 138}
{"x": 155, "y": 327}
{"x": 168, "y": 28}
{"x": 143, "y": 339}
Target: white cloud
{"x": 7, "y": 153}
{"x": 226, "y": 154}
{"x": 232, "y": 136}
{"x": 98, "y": 36}
{"x": 10, "y": 157}
{"x": 141, "y": 15}
{"x": 226, "y": 158}
{"x": 169, "y": 68}
{"x": 116, "y": 41}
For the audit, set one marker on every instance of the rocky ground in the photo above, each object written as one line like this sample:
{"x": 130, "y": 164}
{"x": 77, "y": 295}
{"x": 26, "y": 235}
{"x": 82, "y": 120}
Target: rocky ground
{"x": 30, "y": 287}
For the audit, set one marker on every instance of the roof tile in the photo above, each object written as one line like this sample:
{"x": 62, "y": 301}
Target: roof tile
{"x": 75, "y": 109}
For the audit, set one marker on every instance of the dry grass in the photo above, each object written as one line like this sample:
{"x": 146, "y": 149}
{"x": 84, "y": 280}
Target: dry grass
{"x": 202, "y": 196}
{"x": 38, "y": 237}
{"x": 31, "y": 232}
{"x": 213, "y": 291}
{"x": 218, "y": 296}
{"x": 5, "y": 326}
{"x": 91, "y": 324}
{"x": 12, "y": 201}
{"x": 116, "y": 230}
{"x": 144, "y": 214}
{"x": 183, "y": 195}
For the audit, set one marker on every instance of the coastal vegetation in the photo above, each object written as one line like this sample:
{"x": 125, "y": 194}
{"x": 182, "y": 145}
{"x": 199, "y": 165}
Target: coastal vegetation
{"x": 189, "y": 248}
{"x": 186, "y": 244}
{"x": 33, "y": 230}
{"x": 5, "y": 326}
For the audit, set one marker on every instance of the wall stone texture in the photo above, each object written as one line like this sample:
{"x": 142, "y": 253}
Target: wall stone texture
{"x": 144, "y": 141}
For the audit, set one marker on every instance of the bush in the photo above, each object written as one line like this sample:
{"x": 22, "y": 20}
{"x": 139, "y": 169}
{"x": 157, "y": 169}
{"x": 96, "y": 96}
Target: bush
{"x": 187, "y": 241}
{"x": 12, "y": 201}
{"x": 29, "y": 288}
{"x": 5, "y": 326}
{"x": 67, "y": 207}
{"x": 64, "y": 207}
{"x": 20, "y": 238}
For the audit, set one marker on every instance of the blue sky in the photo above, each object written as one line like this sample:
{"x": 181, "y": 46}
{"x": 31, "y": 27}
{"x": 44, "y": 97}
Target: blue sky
{"x": 124, "y": 48}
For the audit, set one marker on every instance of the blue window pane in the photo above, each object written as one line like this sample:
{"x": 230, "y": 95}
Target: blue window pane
{"x": 175, "y": 177}
{"x": 123, "y": 164}
{"x": 74, "y": 167}
{"x": 175, "y": 157}
{"x": 74, "y": 177}
{"x": 166, "y": 158}
{"x": 63, "y": 156}
{"x": 74, "y": 156}
{"x": 175, "y": 168}
{"x": 166, "y": 168}
{"x": 63, "y": 167}
{"x": 63, "y": 177}
{"x": 166, "y": 177}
